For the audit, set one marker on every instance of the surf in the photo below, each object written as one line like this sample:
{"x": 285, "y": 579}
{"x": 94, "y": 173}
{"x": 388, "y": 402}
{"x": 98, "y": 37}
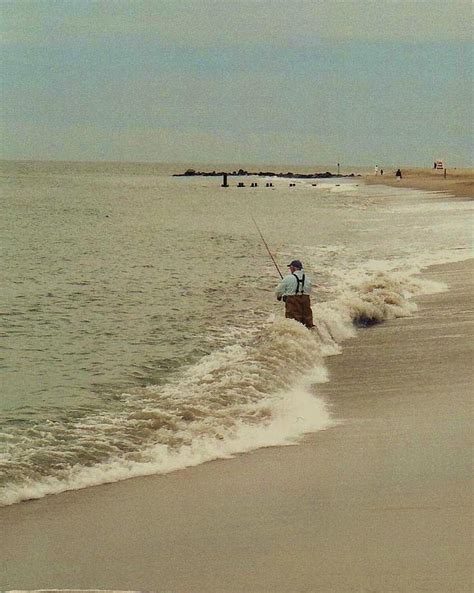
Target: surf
{"x": 257, "y": 392}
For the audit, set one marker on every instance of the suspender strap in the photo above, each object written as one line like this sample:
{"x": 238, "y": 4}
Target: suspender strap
{"x": 298, "y": 282}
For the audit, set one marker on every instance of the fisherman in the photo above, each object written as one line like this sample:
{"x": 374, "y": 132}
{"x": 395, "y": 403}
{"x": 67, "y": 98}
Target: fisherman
{"x": 294, "y": 290}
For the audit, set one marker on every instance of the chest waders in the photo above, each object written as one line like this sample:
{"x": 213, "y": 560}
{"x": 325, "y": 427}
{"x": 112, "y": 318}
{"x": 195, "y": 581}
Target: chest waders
{"x": 299, "y": 308}
{"x": 298, "y": 282}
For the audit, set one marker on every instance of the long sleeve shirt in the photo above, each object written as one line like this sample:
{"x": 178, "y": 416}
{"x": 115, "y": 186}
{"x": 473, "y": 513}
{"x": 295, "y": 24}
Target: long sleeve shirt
{"x": 289, "y": 284}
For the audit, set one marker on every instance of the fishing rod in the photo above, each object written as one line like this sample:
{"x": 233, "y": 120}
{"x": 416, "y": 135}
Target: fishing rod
{"x": 268, "y": 249}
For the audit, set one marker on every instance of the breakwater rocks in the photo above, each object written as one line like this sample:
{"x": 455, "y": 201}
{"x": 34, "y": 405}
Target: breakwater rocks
{"x": 240, "y": 172}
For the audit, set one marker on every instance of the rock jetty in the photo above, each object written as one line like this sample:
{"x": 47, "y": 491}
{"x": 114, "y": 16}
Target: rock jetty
{"x": 240, "y": 172}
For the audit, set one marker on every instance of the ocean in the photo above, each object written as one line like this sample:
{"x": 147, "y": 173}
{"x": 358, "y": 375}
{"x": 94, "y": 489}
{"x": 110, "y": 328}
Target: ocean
{"x": 140, "y": 330}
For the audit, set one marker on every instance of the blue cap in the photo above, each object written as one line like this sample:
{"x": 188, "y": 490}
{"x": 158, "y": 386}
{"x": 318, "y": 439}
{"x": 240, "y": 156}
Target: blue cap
{"x": 296, "y": 264}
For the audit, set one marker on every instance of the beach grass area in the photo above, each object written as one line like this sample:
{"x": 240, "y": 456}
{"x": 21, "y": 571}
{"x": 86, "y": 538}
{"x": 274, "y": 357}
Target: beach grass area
{"x": 458, "y": 182}
{"x": 382, "y": 502}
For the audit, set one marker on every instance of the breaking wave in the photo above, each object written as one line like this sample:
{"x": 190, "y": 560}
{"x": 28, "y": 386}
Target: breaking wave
{"x": 259, "y": 391}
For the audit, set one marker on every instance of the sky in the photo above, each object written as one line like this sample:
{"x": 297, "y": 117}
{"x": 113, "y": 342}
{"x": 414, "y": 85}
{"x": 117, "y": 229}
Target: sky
{"x": 298, "y": 82}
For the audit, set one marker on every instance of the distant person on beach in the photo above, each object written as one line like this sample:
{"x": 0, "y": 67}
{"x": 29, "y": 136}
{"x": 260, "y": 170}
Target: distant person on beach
{"x": 376, "y": 169}
{"x": 398, "y": 174}
{"x": 381, "y": 171}
{"x": 294, "y": 290}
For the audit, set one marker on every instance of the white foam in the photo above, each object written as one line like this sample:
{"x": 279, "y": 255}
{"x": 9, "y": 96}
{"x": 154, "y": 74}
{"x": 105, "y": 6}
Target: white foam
{"x": 253, "y": 394}
{"x": 295, "y": 412}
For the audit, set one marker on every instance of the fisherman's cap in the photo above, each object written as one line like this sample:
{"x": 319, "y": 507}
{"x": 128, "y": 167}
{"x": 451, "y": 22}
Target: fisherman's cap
{"x": 296, "y": 264}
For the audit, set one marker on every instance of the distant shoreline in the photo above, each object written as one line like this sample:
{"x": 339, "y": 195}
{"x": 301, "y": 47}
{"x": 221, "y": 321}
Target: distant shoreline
{"x": 459, "y": 182}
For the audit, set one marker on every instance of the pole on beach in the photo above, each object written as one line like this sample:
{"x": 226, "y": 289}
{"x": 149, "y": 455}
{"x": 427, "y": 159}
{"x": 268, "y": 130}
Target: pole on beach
{"x": 268, "y": 249}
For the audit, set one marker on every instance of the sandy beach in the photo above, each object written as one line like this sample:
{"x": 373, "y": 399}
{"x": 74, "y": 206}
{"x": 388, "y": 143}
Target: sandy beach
{"x": 381, "y": 503}
{"x": 458, "y": 182}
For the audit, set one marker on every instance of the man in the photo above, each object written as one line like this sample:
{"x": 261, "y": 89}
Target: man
{"x": 294, "y": 290}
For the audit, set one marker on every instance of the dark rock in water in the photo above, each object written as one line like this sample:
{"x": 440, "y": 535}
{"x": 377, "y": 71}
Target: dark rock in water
{"x": 365, "y": 321}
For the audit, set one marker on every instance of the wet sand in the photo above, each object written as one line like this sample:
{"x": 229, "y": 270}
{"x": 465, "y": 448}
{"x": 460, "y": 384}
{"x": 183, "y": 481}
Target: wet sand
{"x": 380, "y": 504}
{"x": 458, "y": 182}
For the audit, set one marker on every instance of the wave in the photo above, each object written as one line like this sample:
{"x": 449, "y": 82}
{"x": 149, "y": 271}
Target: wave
{"x": 258, "y": 392}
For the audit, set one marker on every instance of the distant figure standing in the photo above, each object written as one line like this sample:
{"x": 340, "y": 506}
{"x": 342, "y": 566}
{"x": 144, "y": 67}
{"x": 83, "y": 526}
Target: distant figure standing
{"x": 294, "y": 290}
{"x": 398, "y": 174}
{"x": 376, "y": 169}
{"x": 381, "y": 171}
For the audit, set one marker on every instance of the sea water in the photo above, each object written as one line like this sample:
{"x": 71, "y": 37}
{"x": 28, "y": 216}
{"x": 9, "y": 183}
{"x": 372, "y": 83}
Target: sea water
{"x": 140, "y": 329}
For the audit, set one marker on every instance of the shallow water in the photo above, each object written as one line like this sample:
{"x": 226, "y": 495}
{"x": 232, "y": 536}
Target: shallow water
{"x": 141, "y": 333}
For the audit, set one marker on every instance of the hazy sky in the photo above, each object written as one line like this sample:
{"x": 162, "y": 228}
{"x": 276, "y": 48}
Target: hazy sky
{"x": 265, "y": 81}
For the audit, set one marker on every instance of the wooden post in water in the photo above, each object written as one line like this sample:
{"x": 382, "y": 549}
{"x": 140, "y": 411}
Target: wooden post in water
{"x": 224, "y": 180}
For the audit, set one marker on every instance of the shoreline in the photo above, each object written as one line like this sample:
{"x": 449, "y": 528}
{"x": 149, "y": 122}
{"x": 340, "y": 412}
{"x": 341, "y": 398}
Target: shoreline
{"x": 381, "y": 502}
{"x": 458, "y": 182}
